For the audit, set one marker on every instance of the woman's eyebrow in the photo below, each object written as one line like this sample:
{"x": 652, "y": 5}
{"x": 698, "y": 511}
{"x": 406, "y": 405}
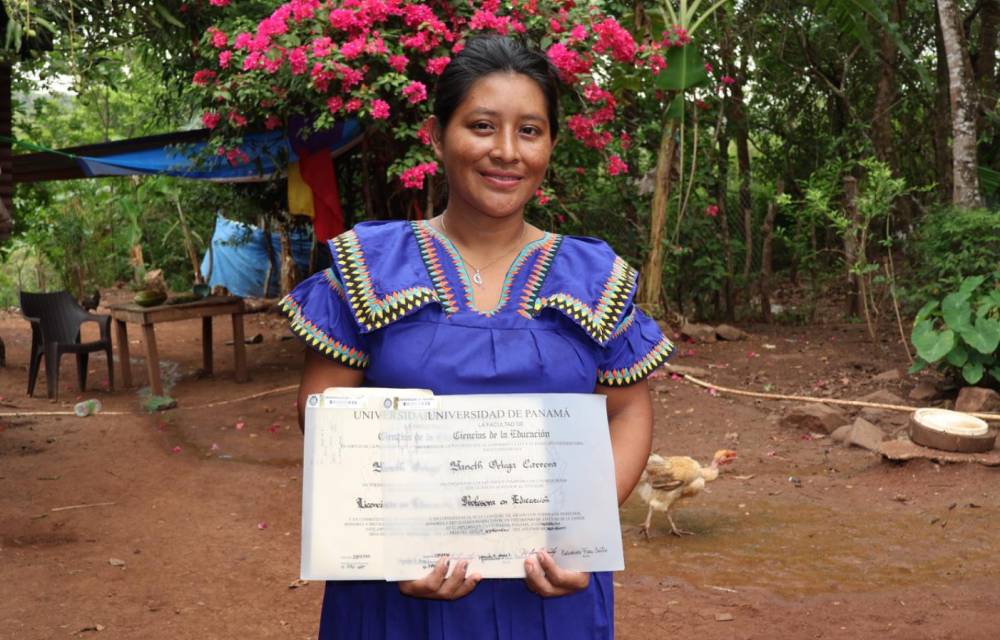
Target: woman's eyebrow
{"x": 483, "y": 111}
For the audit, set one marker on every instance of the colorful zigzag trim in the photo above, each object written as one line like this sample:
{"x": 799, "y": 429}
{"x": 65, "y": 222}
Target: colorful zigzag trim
{"x": 623, "y": 377}
{"x": 318, "y": 339}
{"x": 371, "y": 311}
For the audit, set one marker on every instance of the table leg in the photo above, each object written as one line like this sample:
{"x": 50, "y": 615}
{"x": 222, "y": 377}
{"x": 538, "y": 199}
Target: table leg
{"x": 152, "y": 359}
{"x": 239, "y": 348}
{"x": 121, "y": 333}
{"x": 206, "y": 345}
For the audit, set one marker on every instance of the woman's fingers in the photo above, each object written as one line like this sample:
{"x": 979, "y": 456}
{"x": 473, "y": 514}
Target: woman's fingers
{"x": 546, "y": 578}
{"x": 437, "y": 586}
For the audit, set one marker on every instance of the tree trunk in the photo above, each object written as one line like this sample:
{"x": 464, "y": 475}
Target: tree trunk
{"x": 767, "y": 243}
{"x": 737, "y": 119}
{"x": 852, "y": 248}
{"x": 885, "y": 91}
{"x": 651, "y": 284}
{"x": 986, "y": 58}
{"x": 942, "y": 116}
{"x": 965, "y": 166}
{"x": 289, "y": 272}
{"x": 721, "y": 192}
{"x": 6, "y": 154}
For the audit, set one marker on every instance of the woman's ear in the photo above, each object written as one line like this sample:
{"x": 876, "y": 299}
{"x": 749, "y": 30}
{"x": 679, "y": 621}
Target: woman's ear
{"x": 433, "y": 125}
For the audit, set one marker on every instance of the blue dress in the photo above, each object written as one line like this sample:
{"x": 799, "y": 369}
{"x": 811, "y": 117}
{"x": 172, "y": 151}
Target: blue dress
{"x": 397, "y": 303}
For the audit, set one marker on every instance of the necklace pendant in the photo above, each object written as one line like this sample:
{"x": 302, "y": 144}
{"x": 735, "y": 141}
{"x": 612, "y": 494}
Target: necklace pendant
{"x": 477, "y": 278}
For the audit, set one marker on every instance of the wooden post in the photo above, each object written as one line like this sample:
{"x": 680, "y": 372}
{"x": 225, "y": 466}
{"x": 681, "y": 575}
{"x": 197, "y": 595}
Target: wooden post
{"x": 6, "y": 154}
{"x": 851, "y": 247}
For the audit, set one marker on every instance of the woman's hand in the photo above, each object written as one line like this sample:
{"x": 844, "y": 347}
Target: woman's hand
{"x": 436, "y": 586}
{"x": 544, "y": 577}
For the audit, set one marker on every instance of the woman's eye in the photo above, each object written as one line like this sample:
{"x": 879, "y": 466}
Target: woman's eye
{"x": 482, "y": 126}
{"x": 531, "y": 131}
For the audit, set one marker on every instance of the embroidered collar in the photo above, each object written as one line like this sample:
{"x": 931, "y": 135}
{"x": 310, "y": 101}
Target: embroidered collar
{"x": 390, "y": 269}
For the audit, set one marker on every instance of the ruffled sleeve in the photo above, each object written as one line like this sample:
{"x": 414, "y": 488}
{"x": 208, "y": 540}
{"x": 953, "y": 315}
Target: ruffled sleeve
{"x": 319, "y": 314}
{"x": 636, "y": 348}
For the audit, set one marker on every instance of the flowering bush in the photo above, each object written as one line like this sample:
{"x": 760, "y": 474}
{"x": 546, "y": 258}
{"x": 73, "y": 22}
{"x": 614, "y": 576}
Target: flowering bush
{"x": 375, "y": 60}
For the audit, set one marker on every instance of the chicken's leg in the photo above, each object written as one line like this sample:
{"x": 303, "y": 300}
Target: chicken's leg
{"x": 644, "y": 529}
{"x": 674, "y": 530}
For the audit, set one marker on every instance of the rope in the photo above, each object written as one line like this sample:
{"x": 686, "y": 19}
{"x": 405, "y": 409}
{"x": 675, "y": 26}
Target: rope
{"x": 18, "y": 414}
{"x": 851, "y": 403}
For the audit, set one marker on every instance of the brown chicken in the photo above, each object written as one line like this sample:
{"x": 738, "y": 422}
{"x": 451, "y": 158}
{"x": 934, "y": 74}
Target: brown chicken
{"x": 667, "y": 480}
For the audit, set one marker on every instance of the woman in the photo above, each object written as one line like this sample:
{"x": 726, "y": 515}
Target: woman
{"x": 479, "y": 301}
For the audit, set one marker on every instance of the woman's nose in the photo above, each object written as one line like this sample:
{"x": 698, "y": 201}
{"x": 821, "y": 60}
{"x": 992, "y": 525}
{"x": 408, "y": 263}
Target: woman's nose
{"x": 505, "y": 147}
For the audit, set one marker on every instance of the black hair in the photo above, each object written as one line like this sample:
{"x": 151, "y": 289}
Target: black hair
{"x": 484, "y": 55}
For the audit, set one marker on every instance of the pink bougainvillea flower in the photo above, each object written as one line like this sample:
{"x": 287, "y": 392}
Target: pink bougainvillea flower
{"x": 424, "y": 133}
{"x": 236, "y": 119}
{"x": 674, "y": 376}
{"x": 272, "y": 122}
{"x": 613, "y": 37}
{"x": 176, "y": 449}
{"x": 203, "y": 77}
{"x": 335, "y": 104}
{"x": 657, "y": 63}
{"x": 352, "y": 105}
{"x": 625, "y": 140}
{"x": 398, "y": 63}
{"x": 219, "y": 3}
{"x": 712, "y": 210}
{"x": 415, "y": 92}
{"x": 379, "y": 109}
{"x": 218, "y": 37}
{"x": 210, "y": 119}
{"x": 616, "y": 166}
{"x": 224, "y": 58}
{"x": 569, "y": 63}
{"x": 413, "y": 178}
{"x": 709, "y": 68}
{"x": 436, "y": 66}
{"x": 274, "y": 428}
{"x": 262, "y": 525}
{"x": 240, "y": 425}
{"x": 214, "y": 447}
{"x": 728, "y": 80}
{"x": 297, "y": 61}
{"x": 542, "y": 198}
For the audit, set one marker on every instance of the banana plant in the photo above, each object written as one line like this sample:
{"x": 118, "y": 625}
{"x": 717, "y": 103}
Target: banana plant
{"x": 685, "y": 70}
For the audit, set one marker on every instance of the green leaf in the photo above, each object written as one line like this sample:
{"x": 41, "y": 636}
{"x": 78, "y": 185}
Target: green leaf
{"x": 933, "y": 345}
{"x": 970, "y": 284}
{"x": 169, "y": 17}
{"x": 956, "y": 311}
{"x": 925, "y": 310}
{"x": 972, "y": 372}
{"x": 919, "y": 365}
{"x": 685, "y": 69}
{"x": 995, "y": 372}
{"x": 676, "y": 109}
{"x": 958, "y": 356}
{"x": 984, "y": 337}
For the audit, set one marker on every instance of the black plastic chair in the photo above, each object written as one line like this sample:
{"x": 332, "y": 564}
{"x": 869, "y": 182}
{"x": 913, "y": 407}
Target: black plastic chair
{"x": 55, "y": 329}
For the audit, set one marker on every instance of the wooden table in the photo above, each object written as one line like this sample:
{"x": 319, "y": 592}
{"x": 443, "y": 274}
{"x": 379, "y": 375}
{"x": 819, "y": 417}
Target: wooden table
{"x": 149, "y": 316}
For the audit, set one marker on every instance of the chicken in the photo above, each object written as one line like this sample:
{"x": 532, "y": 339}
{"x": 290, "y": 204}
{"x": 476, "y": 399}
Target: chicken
{"x": 91, "y": 302}
{"x": 667, "y": 480}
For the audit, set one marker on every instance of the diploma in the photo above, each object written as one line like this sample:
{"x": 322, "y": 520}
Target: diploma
{"x": 395, "y": 479}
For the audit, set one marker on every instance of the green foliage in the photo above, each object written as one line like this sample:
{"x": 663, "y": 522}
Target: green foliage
{"x": 961, "y": 332}
{"x": 949, "y": 246}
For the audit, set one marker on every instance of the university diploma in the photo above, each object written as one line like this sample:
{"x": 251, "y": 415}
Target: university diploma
{"x": 394, "y": 479}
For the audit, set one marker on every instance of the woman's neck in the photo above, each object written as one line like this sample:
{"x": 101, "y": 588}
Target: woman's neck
{"x": 482, "y": 233}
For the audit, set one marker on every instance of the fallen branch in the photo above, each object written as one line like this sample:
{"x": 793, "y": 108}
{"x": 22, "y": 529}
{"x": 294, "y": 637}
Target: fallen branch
{"x": 851, "y": 403}
{"x": 83, "y": 506}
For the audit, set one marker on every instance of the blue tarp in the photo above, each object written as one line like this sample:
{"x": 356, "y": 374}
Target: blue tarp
{"x": 238, "y": 261}
{"x": 268, "y": 153}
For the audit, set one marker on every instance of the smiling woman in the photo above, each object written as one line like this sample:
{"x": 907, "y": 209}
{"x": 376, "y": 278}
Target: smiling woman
{"x": 479, "y": 301}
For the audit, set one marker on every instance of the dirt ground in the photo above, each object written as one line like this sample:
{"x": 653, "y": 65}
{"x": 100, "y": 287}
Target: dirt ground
{"x": 196, "y": 529}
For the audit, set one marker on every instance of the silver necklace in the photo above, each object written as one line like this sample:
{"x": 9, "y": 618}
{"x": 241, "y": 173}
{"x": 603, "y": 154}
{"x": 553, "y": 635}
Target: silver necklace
{"x": 477, "y": 276}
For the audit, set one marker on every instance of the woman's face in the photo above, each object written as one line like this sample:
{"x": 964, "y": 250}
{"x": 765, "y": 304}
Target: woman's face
{"x": 496, "y": 146}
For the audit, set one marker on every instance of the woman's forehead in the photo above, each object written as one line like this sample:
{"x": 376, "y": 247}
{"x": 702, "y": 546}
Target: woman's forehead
{"x": 504, "y": 94}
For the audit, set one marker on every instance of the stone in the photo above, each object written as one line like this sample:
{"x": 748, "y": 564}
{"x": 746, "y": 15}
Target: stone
{"x": 924, "y": 391}
{"x": 977, "y": 400}
{"x": 698, "y": 332}
{"x": 681, "y": 369}
{"x": 889, "y": 376}
{"x": 865, "y": 435}
{"x": 729, "y": 332}
{"x": 814, "y": 417}
{"x": 840, "y": 434}
{"x": 860, "y": 433}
